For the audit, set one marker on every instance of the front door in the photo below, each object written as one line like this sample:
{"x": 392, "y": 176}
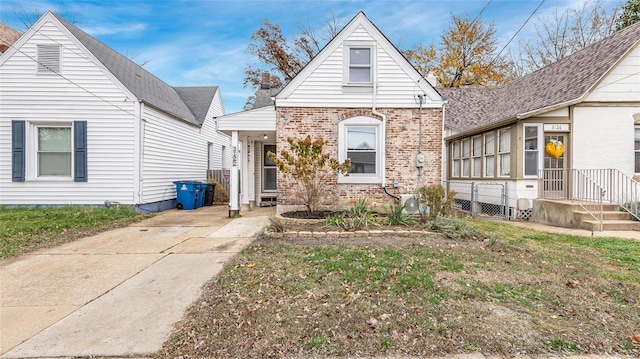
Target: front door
{"x": 555, "y": 176}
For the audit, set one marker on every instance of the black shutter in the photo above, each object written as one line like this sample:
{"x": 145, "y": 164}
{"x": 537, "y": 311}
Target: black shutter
{"x": 80, "y": 151}
{"x": 18, "y": 150}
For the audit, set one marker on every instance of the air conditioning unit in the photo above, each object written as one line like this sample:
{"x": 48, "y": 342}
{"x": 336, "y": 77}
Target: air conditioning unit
{"x": 410, "y": 203}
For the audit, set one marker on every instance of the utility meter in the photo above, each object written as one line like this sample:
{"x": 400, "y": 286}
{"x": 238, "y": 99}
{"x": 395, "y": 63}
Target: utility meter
{"x": 419, "y": 160}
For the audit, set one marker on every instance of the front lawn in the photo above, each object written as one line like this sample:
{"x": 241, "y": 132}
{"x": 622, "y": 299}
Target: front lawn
{"x": 526, "y": 293}
{"x": 26, "y": 229}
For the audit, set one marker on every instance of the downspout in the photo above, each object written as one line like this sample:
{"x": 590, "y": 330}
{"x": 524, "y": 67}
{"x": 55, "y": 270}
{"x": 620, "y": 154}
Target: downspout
{"x": 139, "y": 158}
{"x": 383, "y": 160}
{"x": 443, "y": 155}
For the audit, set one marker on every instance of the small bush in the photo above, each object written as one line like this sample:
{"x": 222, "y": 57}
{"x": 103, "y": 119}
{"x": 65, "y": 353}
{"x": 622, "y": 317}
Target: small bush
{"x": 434, "y": 197}
{"x": 336, "y": 220}
{"x": 359, "y": 217}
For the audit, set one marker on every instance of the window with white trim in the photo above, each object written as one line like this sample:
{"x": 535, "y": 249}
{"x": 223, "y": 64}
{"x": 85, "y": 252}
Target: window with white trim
{"x": 48, "y": 58}
{"x": 360, "y": 140}
{"x": 53, "y": 150}
{"x": 531, "y": 150}
{"x": 476, "y": 156}
{"x": 358, "y": 65}
{"x": 504, "y": 152}
{"x": 455, "y": 159}
{"x": 489, "y": 154}
{"x": 269, "y": 175}
{"x": 466, "y": 154}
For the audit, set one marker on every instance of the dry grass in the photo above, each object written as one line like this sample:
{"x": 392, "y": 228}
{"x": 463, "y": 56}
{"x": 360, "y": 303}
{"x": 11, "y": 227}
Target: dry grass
{"x": 528, "y": 293}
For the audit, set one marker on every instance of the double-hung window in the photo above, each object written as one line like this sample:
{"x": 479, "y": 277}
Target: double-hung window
{"x": 359, "y": 63}
{"x": 531, "y": 150}
{"x": 504, "y": 152}
{"x": 476, "y": 156}
{"x": 361, "y": 141}
{"x": 489, "y": 154}
{"x": 54, "y": 149}
{"x": 49, "y": 151}
{"x": 455, "y": 159}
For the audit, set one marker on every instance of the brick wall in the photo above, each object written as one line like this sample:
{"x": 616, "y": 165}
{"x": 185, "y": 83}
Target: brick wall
{"x": 401, "y": 147}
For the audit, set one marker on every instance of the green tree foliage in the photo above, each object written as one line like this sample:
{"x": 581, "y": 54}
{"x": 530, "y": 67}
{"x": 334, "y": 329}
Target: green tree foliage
{"x": 311, "y": 168}
{"x": 630, "y": 14}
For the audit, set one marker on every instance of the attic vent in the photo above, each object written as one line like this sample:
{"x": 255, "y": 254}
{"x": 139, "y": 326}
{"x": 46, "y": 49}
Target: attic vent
{"x": 48, "y": 59}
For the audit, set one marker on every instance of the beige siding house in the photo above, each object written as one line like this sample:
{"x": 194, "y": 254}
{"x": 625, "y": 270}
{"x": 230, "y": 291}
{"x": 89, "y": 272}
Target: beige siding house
{"x": 83, "y": 125}
{"x": 589, "y": 101}
{"x": 373, "y": 107}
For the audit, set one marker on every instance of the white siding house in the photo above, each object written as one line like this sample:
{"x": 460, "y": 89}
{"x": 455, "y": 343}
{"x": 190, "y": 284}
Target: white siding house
{"x": 81, "y": 124}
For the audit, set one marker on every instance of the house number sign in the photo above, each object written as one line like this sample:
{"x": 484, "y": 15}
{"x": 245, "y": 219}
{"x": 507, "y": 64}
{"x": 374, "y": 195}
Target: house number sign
{"x": 556, "y": 127}
{"x": 234, "y": 158}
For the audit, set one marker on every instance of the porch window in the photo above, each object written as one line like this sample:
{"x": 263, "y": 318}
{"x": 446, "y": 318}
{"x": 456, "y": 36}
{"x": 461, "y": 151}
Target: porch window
{"x": 504, "y": 151}
{"x": 455, "y": 159}
{"x": 476, "y": 156}
{"x": 637, "y": 149}
{"x": 489, "y": 154}
{"x": 531, "y": 150}
{"x": 268, "y": 169}
{"x": 360, "y": 140}
{"x": 466, "y": 153}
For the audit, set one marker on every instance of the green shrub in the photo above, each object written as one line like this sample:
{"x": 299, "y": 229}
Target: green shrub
{"x": 438, "y": 201}
{"x": 397, "y": 216}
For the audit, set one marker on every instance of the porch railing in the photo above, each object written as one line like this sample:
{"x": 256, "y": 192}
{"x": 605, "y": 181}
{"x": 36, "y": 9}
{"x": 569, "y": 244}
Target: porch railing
{"x": 590, "y": 188}
{"x": 619, "y": 188}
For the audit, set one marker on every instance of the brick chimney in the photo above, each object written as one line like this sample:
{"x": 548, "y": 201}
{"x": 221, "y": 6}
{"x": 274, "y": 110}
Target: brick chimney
{"x": 265, "y": 83}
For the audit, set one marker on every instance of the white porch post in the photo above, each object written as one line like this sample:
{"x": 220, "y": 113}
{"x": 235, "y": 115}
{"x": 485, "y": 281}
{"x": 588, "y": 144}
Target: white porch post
{"x": 234, "y": 188}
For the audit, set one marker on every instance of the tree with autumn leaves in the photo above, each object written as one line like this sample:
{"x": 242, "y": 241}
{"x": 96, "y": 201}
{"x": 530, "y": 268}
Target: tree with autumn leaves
{"x": 466, "y": 56}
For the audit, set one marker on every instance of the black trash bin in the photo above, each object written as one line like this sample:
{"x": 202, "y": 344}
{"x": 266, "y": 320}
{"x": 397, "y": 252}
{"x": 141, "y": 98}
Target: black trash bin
{"x": 208, "y": 193}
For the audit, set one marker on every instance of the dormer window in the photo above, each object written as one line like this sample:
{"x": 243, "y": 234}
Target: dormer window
{"x": 48, "y": 59}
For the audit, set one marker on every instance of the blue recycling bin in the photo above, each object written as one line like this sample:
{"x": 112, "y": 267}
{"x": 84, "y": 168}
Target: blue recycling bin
{"x": 187, "y": 194}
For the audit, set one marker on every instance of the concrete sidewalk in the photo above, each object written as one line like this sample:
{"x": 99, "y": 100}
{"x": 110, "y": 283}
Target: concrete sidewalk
{"x": 120, "y": 292}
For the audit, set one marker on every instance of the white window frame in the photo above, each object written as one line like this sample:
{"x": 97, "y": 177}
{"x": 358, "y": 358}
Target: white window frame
{"x": 361, "y": 121}
{"x": 525, "y": 150}
{"x": 466, "y": 157}
{"x": 476, "y": 156}
{"x": 44, "y": 66}
{"x": 504, "y": 152}
{"x": 636, "y": 151}
{"x": 347, "y": 63}
{"x": 489, "y": 152}
{"x": 455, "y": 159}
{"x": 33, "y": 150}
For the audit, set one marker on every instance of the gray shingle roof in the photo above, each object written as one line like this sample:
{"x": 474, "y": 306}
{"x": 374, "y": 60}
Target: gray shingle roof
{"x": 561, "y": 82}
{"x": 143, "y": 84}
{"x": 198, "y": 99}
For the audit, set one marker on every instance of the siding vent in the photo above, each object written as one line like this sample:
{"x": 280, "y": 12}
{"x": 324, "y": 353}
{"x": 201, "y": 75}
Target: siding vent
{"x": 48, "y": 59}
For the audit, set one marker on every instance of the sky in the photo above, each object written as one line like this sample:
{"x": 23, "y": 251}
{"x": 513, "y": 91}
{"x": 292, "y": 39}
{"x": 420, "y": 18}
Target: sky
{"x": 204, "y": 42}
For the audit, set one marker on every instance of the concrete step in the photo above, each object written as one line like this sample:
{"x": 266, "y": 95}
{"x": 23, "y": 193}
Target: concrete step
{"x": 594, "y": 207}
{"x": 611, "y": 225}
{"x": 606, "y": 215}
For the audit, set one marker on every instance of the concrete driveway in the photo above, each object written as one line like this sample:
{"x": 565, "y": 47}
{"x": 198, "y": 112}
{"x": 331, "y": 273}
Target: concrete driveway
{"x": 120, "y": 292}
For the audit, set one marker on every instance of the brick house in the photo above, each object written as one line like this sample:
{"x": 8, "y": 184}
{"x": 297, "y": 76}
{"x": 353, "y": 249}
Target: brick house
{"x": 363, "y": 96}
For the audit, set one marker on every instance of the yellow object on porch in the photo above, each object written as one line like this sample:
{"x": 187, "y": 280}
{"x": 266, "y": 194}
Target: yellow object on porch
{"x": 555, "y": 149}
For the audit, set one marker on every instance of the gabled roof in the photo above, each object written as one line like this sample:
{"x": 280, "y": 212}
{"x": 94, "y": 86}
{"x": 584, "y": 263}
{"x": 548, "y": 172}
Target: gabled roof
{"x": 187, "y": 105}
{"x": 562, "y": 83}
{"x": 198, "y": 99}
{"x": 361, "y": 20}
